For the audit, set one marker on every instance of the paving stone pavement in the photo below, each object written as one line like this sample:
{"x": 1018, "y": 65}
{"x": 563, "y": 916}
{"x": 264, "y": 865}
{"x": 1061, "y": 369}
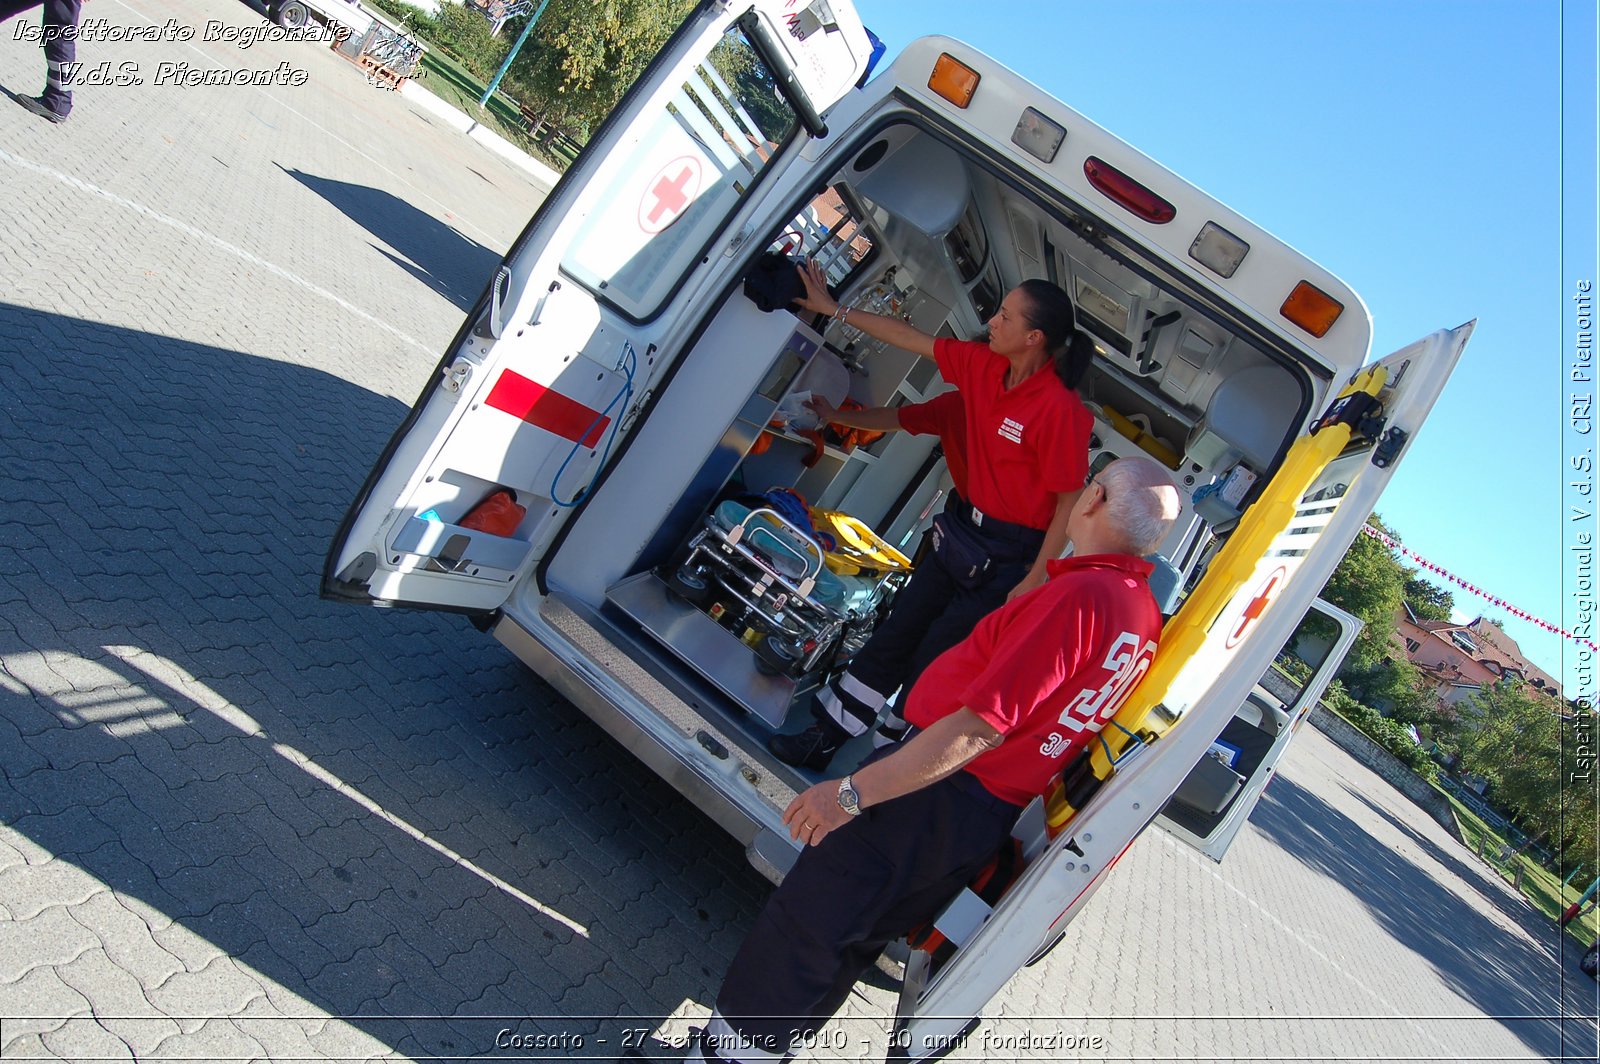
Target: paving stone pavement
{"x": 239, "y": 823}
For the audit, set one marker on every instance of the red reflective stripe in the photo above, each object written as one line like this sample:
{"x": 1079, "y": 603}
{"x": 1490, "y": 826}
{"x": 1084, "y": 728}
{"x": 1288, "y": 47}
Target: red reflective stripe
{"x": 546, "y": 409}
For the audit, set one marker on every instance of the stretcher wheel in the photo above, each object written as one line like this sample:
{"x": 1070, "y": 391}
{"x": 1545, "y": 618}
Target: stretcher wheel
{"x": 766, "y": 667}
{"x": 773, "y": 659}
{"x": 689, "y": 586}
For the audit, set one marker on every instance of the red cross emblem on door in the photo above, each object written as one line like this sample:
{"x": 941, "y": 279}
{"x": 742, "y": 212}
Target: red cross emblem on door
{"x": 669, "y": 193}
{"x": 1258, "y": 605}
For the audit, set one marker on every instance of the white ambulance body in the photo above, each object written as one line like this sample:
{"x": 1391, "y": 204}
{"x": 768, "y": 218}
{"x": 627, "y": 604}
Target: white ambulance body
{"x": 620, "y": 382}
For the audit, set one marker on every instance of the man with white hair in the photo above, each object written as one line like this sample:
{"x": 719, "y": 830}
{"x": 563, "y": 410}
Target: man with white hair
{"x": 1000, "y": 714}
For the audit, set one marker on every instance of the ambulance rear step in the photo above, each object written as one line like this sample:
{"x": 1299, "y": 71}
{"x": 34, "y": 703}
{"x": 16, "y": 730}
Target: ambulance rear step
{"x": 684, "y": 732}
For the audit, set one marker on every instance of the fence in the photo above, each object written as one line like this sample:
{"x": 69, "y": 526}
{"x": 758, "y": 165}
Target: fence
{"x": 549, "y": 136}
{"x": 384, "y": 52}
{"x": 1496, "y": 822}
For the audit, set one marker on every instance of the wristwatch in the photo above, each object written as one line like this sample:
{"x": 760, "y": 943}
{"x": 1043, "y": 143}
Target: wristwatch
{"x": 849, "y": 800}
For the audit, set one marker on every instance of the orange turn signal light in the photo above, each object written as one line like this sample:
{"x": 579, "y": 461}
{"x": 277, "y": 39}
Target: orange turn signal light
{"x": 1312, "y": 309}
{"x": 953, "y": 79}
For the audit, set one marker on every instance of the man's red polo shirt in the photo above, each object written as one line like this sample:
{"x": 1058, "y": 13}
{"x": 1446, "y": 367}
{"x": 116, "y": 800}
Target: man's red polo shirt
{"x": 945, "y": 416}
{"x": 1047, "y": 669}
{"x": 1024, "y": 446}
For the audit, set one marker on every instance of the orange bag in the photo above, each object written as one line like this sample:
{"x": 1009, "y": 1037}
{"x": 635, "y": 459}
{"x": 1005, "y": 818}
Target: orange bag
{"x": 498, "y": 515}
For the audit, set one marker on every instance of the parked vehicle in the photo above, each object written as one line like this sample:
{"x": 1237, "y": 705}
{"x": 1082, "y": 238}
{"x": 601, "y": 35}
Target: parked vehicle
{"x": 617, "y": 379}
{"x": 335, "y": 14}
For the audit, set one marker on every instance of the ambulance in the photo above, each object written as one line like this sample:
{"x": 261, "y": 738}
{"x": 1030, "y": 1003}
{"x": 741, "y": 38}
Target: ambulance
{"x": 609, "y": 471}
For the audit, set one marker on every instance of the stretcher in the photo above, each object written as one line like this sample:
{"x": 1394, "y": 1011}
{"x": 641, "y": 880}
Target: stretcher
{"x": 804, "y": 599}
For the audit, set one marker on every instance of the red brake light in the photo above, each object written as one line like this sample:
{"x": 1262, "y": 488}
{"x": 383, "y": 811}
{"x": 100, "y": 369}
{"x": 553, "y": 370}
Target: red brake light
{"x": 1128, "y": 193}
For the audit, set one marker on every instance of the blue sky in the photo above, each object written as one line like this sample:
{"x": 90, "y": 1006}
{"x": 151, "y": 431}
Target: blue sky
{"x": 1413, "y": 148}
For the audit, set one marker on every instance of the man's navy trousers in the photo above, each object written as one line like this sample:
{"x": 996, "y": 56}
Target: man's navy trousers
{"x": 868, "y": 883}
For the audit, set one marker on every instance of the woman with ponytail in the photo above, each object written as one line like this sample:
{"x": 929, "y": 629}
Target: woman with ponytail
{"x": 1027, "y": 451}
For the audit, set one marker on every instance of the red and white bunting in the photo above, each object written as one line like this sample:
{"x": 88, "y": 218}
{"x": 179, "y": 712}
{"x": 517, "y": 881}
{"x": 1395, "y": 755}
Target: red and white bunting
{"x": 1397, "y": 547}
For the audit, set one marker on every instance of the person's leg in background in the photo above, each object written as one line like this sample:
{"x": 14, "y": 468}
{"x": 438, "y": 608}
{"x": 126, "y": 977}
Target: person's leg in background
{"x": 965, "y": 608}
{"x": 60, "y": 21}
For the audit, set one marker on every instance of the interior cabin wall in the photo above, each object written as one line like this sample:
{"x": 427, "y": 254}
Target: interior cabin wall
{"x": 681, "y": 455}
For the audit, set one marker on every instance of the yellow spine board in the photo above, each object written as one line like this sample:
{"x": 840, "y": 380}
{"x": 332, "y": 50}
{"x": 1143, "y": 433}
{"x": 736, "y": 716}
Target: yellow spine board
{"x": 1263, "y": 523}
{"x": 859, "y": 547}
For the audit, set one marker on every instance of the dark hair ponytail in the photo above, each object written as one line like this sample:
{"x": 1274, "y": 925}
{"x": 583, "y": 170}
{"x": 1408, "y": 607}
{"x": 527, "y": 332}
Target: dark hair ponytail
{"x": 1072, "y": 361}
{"x": 1052, "y": 313}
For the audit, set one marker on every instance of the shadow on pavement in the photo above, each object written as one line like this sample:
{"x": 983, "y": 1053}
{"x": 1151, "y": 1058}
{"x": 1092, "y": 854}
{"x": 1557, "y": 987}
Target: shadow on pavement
{"x": 1466, "y": 867}
{"x": 1580, "y": 996}
{"x": 453, "y": 265}
{"x": 379, "y": 814}
{"x": 1475, "y": 956}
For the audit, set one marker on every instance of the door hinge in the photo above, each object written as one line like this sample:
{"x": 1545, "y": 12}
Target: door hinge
{"x": 497, "y": 295}
{"x": 456, "y": 375}
{"x": 633, "y": 412}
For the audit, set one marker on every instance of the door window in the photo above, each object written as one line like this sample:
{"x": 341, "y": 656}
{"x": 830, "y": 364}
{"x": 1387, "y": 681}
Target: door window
{"x": 689, "y": 169}
{"x": 829, "y": 230}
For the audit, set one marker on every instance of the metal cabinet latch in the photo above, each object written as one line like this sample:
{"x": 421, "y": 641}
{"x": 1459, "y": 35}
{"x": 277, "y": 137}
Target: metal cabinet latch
{"x": 1388, "y": 447}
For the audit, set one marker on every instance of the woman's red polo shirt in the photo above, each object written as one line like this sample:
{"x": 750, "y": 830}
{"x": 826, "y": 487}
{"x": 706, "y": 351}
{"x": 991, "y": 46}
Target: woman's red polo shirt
{"x": 1025, "y": 446}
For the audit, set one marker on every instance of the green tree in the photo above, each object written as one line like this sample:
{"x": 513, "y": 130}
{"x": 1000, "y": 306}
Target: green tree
{"x": 754, "y": 86}
{"x": 464, "y": 33}
{"x": 1518, "y": 741}
{"x": 1369, "y": 583}
{"x": 1427, "y": 600}
{"x": 1400, "y": 686}
{"x": 584, "y": 54}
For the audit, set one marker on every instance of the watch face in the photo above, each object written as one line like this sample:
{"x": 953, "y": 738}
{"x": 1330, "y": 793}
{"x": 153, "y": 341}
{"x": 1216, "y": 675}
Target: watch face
{"x": 849, "y": 801}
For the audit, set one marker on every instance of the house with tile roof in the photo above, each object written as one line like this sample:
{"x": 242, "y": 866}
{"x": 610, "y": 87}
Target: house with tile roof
{"x": 1460, "y": 659}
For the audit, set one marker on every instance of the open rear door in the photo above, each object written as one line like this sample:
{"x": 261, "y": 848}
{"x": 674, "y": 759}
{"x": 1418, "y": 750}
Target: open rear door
{"x": 1219, "y": 793}
{"x": 1303, "y": 521}
{"x": 553, "y": 367}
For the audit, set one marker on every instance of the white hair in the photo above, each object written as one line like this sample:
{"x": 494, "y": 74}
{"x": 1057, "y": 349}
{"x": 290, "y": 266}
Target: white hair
{"x": 1141, "y": 502}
